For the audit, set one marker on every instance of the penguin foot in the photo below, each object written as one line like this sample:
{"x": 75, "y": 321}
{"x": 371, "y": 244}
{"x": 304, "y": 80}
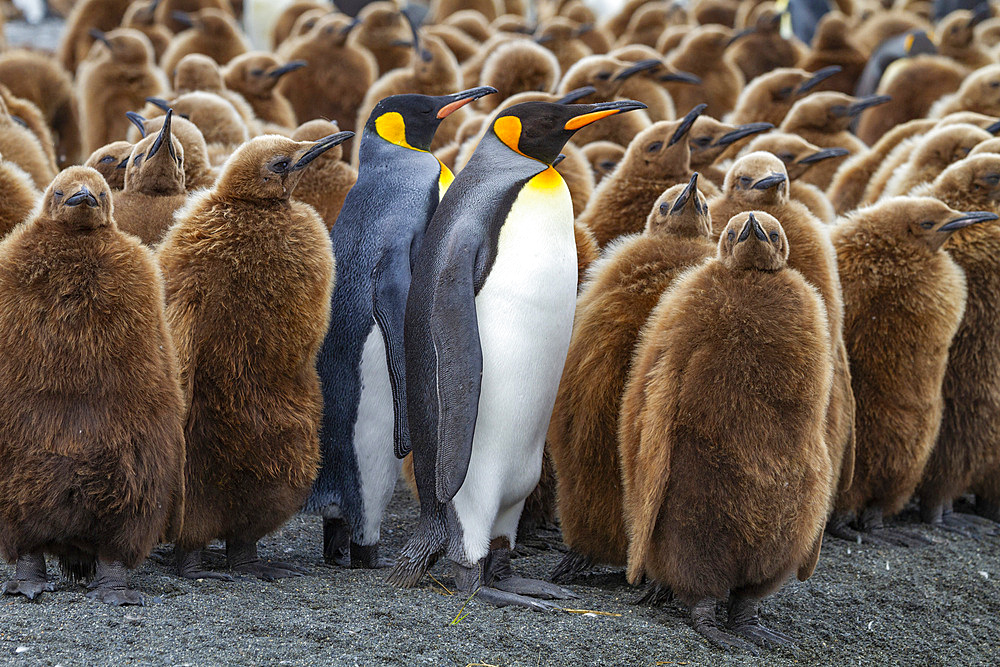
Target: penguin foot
{"x": 572, "y": 564}
{"x": 336, "y": 542}
{"x": 744, "y": 622}
{"x": 367, "y": 557}
{"x": 871, "y": 523}
{"x": 499, "y": 574}
{"x": 29, "y": 578}
{"x": 943, "y": 517}
{"x": 501, "y": 598}
{"x": 655, "y": 595}
{"x": 243, "y": 558}
{"x": 189, "y": 566}
{"x": 704, "y": 623}
{"x": 110, "y": 586}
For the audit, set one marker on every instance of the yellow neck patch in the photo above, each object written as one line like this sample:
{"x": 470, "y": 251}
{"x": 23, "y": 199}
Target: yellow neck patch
{"x": 508, "y": 129}
{"x": 391, "y": 127}
{"x": 445, "y": 179}
{"x": 546, "y": 180}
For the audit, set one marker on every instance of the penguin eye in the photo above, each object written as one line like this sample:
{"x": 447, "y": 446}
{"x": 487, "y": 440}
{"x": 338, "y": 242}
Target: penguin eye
{"x": 608, "y": 165}
{"x": 992, "y": 179}
{"x": 137, "y": 159}
{"x": 106, "y": 159}
{"x": 774, "y": 237}
{"x": 664, "y": 208}
{"x": 786, "y": 157}
{"x": 257, "y": 72}
{"x": 280, "y": 166}
{"x": 103, "y": 196}
{"x": 731, "y": 235}
{"x": 927, "y": 224}
{"x": 745, "y": 182}
{"x": 58, "y": 193}
{"x": 604, "y": 76}
{"x": 784, "y": 92}
{"x": 994, "y": 84}
{"x": 655, "y": 146}
{"x": 702, "y": 141}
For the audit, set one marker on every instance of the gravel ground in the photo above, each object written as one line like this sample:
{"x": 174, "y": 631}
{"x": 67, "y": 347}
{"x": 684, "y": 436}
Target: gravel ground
{"x": 864, "y": 605}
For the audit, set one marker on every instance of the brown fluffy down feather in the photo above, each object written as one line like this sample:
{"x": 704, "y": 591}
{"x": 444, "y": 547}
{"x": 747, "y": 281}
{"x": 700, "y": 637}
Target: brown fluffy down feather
{"x": 248, "y": 284}
{"x": 18, "y": 196}
{"x": 717, "y": 497}
{"x": 582, "y": 438}
{"x": 325, "y": 184}
{"x": 904, "y": 303}
{"x": 91, "y": 433}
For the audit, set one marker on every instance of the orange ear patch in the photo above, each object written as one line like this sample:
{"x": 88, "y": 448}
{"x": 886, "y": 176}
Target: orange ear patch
{"x": 588, "y": 118}
{"x": 508, "y": 129}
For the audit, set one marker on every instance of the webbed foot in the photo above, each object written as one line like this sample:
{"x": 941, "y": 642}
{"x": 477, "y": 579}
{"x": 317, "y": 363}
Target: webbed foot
{"x": 29, "y": 578}
{"x": 704, "y": 623}
{"x": 110, "y": 586}
{"x": 500, "y": 575}
{"x": 190, "y": 566}
{"x": 744, "y": 622}
{"x": 336, "y": 542}
{"x": 243, "y": 558}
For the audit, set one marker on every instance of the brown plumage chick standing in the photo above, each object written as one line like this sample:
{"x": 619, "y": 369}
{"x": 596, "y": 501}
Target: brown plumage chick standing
{"x": 249, "y": 279}
{"x": 91, "y": 423}
{"x": 726, "y": 473}
{"x": 904, "y": 300}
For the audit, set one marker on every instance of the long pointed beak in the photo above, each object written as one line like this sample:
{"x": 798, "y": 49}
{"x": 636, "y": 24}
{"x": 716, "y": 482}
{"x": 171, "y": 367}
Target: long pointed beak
{"x": 865, "y": 103}
{"x": 288, "y": 67}
{"x": 742, "y": 132}
{"x": 768, "y": 182}
{"x": 320, "y": 147}
{"x": 576, "y": 94}
{"x": 818, "y": 77}
{"x": 456, "y": 101}
{"x": 350, "y": 26}
{"x": 690, "y": 189}
{"x": 138, "y": 121}
{"x": 122, "y": 164}
{"x": 159, "y": 103}
{"x": 758, "y": 231}
{"x": 745, "y": 232}
{"x": 543, "y": 39}
{"x": 966, "y": 219}
{"x": 100, "y": 37}
{"x": 824, "y": 154}
{"x": 83, "y": 196}
{"x": 686, "y": 124}
{"x": 641, "y": 66}
{"x": 184, "y": 18}
{"x": 163, "y": 136}
{"x": 591, "y": 113}
{"x": 746, "y": 32}
{"x": 994, "y": 128}
{"x": 980, "y": 14}
{"x": 681, "y": 77}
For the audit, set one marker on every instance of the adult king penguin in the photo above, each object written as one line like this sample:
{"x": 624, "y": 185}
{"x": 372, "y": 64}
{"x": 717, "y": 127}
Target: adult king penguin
{"x": 488, "y": 323}
{"x": 361, "y": 362}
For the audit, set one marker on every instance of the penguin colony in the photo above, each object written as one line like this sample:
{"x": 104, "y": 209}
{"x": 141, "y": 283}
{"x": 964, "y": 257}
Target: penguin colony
{"x": 701, "y": 281}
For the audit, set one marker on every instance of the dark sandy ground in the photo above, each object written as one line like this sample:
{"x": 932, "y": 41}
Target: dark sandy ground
{"x": 864, "y": 605}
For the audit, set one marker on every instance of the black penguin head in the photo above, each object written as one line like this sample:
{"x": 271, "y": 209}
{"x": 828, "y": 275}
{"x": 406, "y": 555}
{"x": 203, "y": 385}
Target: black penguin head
{"x": 754, "y": 240}
{"x": 78, "y": 198}
{"x": 539, "y": 130}
{"x": 411, "y": 120}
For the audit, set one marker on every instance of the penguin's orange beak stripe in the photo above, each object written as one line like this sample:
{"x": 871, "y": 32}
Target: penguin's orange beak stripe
{"x": 452, "y": 107}
{"x": 588, "y": 118}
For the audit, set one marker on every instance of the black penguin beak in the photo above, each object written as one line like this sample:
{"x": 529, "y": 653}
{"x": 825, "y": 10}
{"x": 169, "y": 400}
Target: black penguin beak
{"x": 163, "y": 136}
{"x": 20, "y": 121}
{"x": 980, "y": 14}
{"x": 818, "y": 77}
{"x": 742, "y": 132}
{"x": 83, "y": 196}
{"x": 576, "y": 94}
{"x": 641, "y": 66}
{"x": 583, "y": 29}
{"x": 824, "y": 154}
{"x": 966, "y": 219}
{"x": 690, "y": 190}
{"x": 686, "y": 124}
{"x": 320, "y": 147}
{"x": 747, "y": 227}
{"x": 100, "y": 37}
{"x": 159, "y": 103}
{"x": 350, "y": 26}
{"x": 758, "y": 231}
{"x": 994, "y": 128}
{"x": 864, "y": 103}
{"x": 543, "y": 39}
{"x": 559, "y": 158}
{"x": 184, "y": 18}
{"x": 122, "y": 164}
{"x": 138, "y": 121}
{"x": 746, "y": 32}
{"x": 279, "y": 72}
{"x": 456, "y": 101}
{"x": 768, "y": 182}
{"x": 591, "y": 113}
{"x": 681, "y": 77}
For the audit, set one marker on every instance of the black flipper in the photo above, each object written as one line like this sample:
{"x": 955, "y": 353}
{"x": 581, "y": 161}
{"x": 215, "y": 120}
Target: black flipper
{"x": 392, "y": 282}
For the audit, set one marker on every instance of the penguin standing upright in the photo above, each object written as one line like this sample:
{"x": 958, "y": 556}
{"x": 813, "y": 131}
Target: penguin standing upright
{"x": 488, "y": 323}
{"x": 361, "y": 362}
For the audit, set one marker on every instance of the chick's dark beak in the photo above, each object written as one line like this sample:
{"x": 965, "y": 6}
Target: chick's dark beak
{"x": 138, "y": 121}
{"x": 184, "y": 18}
{"x": 82, "y": 196}
{"x": 576, "y": 94}
{"x": 318, "y": 148}
{"x": 690, "y": 190}
{"x": 287, "y": 68}
{"x": 818, "y": 77}
{"x": 825, "y": 154}
{"x": 163, "y": 136}
{"x": 641, "y": 66}
{"x": 686, "y": 124}
{"x": 742, "y": 132}
{"x": 768, "y": 182}
{"x": 100, "y": 37}
{"x": 967, "y": 219}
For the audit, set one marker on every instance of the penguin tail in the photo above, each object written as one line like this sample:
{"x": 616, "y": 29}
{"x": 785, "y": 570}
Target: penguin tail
{"x": 78, "y": 567}
{"x": 421, "y": 551}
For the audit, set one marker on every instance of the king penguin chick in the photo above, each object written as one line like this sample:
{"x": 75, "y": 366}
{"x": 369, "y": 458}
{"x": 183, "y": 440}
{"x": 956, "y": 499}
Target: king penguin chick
{"x": 516, "y": 67}
{"x": 769, "y": 97}
{"x": 759, "y": 182}
{"x": 249, "y": 373}
{"x": 509, "y": 315}
{"x": 198, "y": 171}
{"x": 703, "y": 54}
{"x": 31, "y": 117}
{"x": 644, "y": 80}
{"x": 657, "y": 158}
{"x": 88, "y": 15}
{"x": 217, "y": 119}
{"x": 20, "y": 196}
{"x": 799, "y": 156}
{"x": 905, "y": 299}
{"x": 211, "y": 32}
{"x": 154, "y": 186}
{"x": 110, "y": 162}
{"x": 255, "y": 76}
{"x": 325, "y": 184}
{"x": 339, "y": 75}
{"x": 967, "y": 448}
{"x": 18, "y": 144}
{"x": 933, "y": 153}
{"x": 283, "y": 26}
{"x": 833, "y": 45}
{"x": 760, "y": 47}
{"x": 979, "y": 92}
{"x": 624, "y": 286}
{"x": 361, "y": 363}
{"x": 117, "y": 76}
{"x": 196, "y": 72}
{"x": 171, "y": 13}
{"x": 711, "y": 140}
{"x": 603, "y": 157}
{"x": 141, "y": 16}
{"x": 92, "y": 477}
{"x": 957, "y": 38}
{"x": 384, "y": 31}
{"x": 561, "y": 36}
{"x": 737, "y": 340}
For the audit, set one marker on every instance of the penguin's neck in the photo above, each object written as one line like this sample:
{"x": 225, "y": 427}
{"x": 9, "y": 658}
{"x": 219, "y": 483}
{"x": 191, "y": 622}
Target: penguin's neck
{"x": 379, "y": 157}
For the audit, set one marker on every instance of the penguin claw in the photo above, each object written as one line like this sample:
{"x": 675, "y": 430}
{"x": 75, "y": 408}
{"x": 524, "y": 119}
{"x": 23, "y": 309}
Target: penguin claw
{"x": 116, "y": 597}
{"x": 267, "y": 572}
{"x": 28, "y": 588}
{"x": 763, "y": 636}
{"x": 535, "y": 588}
{"x": 501, "y": 598}
{"x": 726, "y": 641}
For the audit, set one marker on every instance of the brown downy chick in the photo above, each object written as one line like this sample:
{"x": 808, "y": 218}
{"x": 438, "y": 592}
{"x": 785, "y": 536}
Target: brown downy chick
{"x": 799, "y": 156}
{"x": 88, "y": 15}
{"x": 905, "y": 300}
{"x": 847, "y": 191}
{"x": 987, "y": 33}
{"x": 93, "y": 418}
{"x": 824, "y": 119}
{"x": 602, "y": 72}
{"x": 197, "y": 72}
{"x": 472, "y": 23}
{"x": 167, "y": 11}
{"x": 833, "y": 45}
{"x": 979, "y": 92}
{"x": 721, "y": 501}
{"x": 760, "y": 48}
{"x": 18, "y": 144}
{"x": 657, "y": 158}
{"x": 339, "y": 75}
{"x": 987, "y": 146}
{"x": 117, "y": 76}
{"x": 282, "y": 28}
{"x": 957, "y": 38}
{"x": 759, "y": 182}
{"x": 645, "y": 77}
{"x": 141, "y": 16}
{"x": 460, "y": 44}
{"x": 442, "y": 9}
{"x": 198, "y": 170}
{"x": 517, "y": 67}
{"x": 41, "y": 80}
{"x": 18, "y": 196}
{"x": 32, "y": 118}
{"x": 472, "y": 68}
{"x": 646, "y": 24}
{"x": 711, "y": 141}
{"x": 219, "y": 122}
{"x": 561, "y": 36}
{"x": 703, "y": 53}
{"x": 935, "y": 151}
{"x": 603, "y": 157}
{"x": 154, "y": 186}
{"x": 303, "y": 26}
{"x": 255, "y": 76}
{"x": 384, "y": 31}
{"x": 250, "y": 372}
{"x": 769, "y": 98}
{"x": 325, "y": 184}
{"x": 211, "y": 32}
{"x": 717, "y": 12}
{"x": 110, "y": 162}
{"x": 883, "y": 25}
{"x": 597, "y": 39}
{"x": 623, "y": 288}
{"x": 617, "y": 24}
{"x": 968, "y": 446}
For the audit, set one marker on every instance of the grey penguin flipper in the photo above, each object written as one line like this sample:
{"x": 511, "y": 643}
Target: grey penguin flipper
{"x": 391, "y": 278}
